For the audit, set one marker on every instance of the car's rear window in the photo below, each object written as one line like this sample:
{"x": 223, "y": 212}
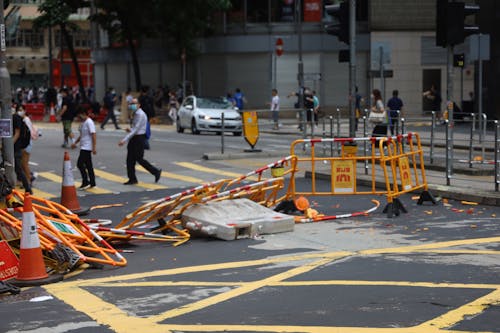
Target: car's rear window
{"x": 213, "y": 103}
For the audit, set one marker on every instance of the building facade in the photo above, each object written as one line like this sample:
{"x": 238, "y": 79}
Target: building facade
{"x": 398, "y": 35}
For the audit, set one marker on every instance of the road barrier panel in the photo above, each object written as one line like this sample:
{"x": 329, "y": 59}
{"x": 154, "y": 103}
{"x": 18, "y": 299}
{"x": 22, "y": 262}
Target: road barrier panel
{"x": 386, "y": 157}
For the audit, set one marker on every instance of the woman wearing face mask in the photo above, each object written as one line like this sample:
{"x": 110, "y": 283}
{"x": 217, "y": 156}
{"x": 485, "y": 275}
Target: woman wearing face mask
{"x": 26, "y": 153}
{"x": 21, "y": 138}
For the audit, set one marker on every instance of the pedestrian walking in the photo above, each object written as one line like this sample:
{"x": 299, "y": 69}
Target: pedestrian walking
{"x": 357, "y": 107}
{"x": 173, "y": 105}
{"x": 435, "y": 97}
{"x": 67, "y": 115}
{"x": 380, "y": 128}
{"x": 21, "y": 139}
{"x": 135, "y": 144}
{"x": 146, "y": 102}
{"x": 239, "y": 99}
{"x": 88, "y": 143}
{"x": 275, "y": 108}
{"x": 395, "y": 106}
{"x": 26, "y": 152}
{"x": 109, "y": 104}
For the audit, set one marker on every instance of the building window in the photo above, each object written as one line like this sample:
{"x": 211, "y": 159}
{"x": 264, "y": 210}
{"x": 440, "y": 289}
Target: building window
{"x": 81, "y": 39}
{"x": 26, "y": 38}
{"x": 282, "y": 10}
{"x": 16, "y": 2}
{"x": 258, "y": 11}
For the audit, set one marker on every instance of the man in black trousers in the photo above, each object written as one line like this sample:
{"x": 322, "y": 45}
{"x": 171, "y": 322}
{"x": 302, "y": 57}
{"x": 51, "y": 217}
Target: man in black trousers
{"x": 135, "y": 148}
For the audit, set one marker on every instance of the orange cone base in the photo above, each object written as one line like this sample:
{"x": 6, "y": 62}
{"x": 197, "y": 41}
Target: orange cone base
{"x": 82, "y": 211}
{"x": 52, "y": 119}
{"x": 37, "y": 282}
{"x": 32, "y": 270}
{"x": 70, "y": 201}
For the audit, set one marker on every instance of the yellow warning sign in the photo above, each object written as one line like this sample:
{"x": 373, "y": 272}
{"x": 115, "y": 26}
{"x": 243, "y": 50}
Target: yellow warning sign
{"x": 250, "y": 127}
{"x": 404, "y": 170}
{"x": 343, "y": 176}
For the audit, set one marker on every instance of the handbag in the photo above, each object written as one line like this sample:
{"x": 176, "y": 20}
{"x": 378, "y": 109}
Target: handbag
{"x": 377, "y": 117}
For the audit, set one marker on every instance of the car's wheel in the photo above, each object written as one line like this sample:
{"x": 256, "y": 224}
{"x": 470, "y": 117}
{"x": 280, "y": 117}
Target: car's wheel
{"x": 237, "y": 133}
{"x": 180, "y": 129}
{"x": 194, "y": 129}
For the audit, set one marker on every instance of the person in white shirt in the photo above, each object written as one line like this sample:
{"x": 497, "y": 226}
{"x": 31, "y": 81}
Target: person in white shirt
{"x": 275, "y": 108}
{"x": 136, "y": 138}
{"x": 88, "y": 141}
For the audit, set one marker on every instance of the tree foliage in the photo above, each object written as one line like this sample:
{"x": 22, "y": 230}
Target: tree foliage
{"x": 56, "y": 13}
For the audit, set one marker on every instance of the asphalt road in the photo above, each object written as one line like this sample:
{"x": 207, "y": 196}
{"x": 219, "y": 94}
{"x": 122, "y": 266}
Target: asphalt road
{"x": 432, "y": 269}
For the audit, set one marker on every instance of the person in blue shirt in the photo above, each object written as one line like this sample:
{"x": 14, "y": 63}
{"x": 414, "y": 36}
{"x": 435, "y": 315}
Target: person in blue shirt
{"x": 239, "y": 99}
{"x": 395, "y": 106}
{"x": 135, "y": 147}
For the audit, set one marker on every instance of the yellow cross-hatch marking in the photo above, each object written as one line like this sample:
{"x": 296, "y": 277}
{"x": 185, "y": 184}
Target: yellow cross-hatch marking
{"x": 58, "y": 179}
{"x": 114, "y": 178}
{"x": 171, "y": 175}
{"x": 197, "y": 167}
{"x": 76, "y": 293}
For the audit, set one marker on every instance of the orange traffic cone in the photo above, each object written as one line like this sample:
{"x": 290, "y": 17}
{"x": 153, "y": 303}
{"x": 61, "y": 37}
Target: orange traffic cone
{"x": 68, "y": 190}
{"x": 52, "y": 118}
{"x": 32, "y": 271}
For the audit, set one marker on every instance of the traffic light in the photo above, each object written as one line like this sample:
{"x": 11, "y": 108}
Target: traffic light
{"x": 451, "y": 28}
{"x": 341, "y": 14}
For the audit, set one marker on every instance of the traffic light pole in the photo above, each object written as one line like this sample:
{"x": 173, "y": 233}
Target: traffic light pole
{"x": 449, "y": 108}
{"x": 5, "y": 93}
{"x": 352, "y": 68}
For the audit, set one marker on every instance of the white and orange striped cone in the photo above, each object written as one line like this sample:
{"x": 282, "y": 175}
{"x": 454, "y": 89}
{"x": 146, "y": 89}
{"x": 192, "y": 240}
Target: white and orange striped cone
{"x": 52, "y": 118}
{"x": 32, "y": 270}
{"x": 68, "y": 190}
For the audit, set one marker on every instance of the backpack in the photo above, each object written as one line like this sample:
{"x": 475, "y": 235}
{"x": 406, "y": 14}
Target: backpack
{"x": 24, "y": 136}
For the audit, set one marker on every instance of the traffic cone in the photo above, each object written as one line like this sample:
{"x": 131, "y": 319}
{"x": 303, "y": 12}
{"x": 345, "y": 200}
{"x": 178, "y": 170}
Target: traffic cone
{"x": 52, "y": 118}
{"x": 32, "y": 271}
{"x": 68, "y": 190}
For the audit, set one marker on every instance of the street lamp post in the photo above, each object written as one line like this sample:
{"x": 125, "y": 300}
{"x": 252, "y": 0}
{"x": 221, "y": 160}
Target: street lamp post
{"x": 6, "y": 96}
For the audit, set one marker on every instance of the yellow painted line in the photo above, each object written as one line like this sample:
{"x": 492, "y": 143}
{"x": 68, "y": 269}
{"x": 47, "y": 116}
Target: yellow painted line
{"x": 58, "y": 179}
{"x": 200, "y": 168}
{"x": 118, "y": 179}
{"x": 171, "y": 175}
{"x": 74, "y": 294}
{"x": 387, "y": 283}
{"x": 457, "y": 315}
{"x": 245, "y": 289}
{"x": 43, "y": 194}
{"x": 431, "y": 246}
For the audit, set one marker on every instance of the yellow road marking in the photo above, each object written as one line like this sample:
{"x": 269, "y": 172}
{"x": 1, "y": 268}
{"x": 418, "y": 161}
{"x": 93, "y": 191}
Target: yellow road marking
{"x": 118, "y": 179}
{"x": 42, "y": 194}
{"x": 73, "y": 293}
{"x": 197, "y": 167}
{"x": 58, "y": 179}
{"x": 171, "y": 175}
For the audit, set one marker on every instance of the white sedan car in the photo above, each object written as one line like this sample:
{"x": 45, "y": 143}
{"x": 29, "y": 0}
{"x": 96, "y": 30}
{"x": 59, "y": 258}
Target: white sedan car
{"x": 205, "y": 114}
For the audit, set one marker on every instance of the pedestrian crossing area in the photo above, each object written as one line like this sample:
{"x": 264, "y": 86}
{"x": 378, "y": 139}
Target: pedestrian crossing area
{"x": 184, "y": 174}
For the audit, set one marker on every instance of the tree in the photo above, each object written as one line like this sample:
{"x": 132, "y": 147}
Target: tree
{"x": 185, "y": 20}
{"x": 178, "y": 21}
{"x": 56, "y": 13}
{"x": 126, "y": 21}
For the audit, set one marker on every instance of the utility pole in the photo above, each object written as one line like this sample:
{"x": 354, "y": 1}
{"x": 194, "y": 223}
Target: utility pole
{"x": 352, "y": 68}
{"x": 6, "y": 96}
{"x": 300, "y": 76}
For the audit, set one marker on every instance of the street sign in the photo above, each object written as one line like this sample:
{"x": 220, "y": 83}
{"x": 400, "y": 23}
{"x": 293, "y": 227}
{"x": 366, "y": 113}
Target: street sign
{"x": 375, "y": 54}
{"x": 8, "y": 262}
{"x": 5, "y": 128}
{"x": 479, "y": 47}
{"x": 250, "y": 128}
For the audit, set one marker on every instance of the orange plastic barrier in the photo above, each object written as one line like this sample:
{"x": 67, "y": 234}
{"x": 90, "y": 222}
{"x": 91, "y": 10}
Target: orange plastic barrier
{"x": 402, "y": 171}
{"x": 36, "y": 111}
{"x": 63, "y": 234}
